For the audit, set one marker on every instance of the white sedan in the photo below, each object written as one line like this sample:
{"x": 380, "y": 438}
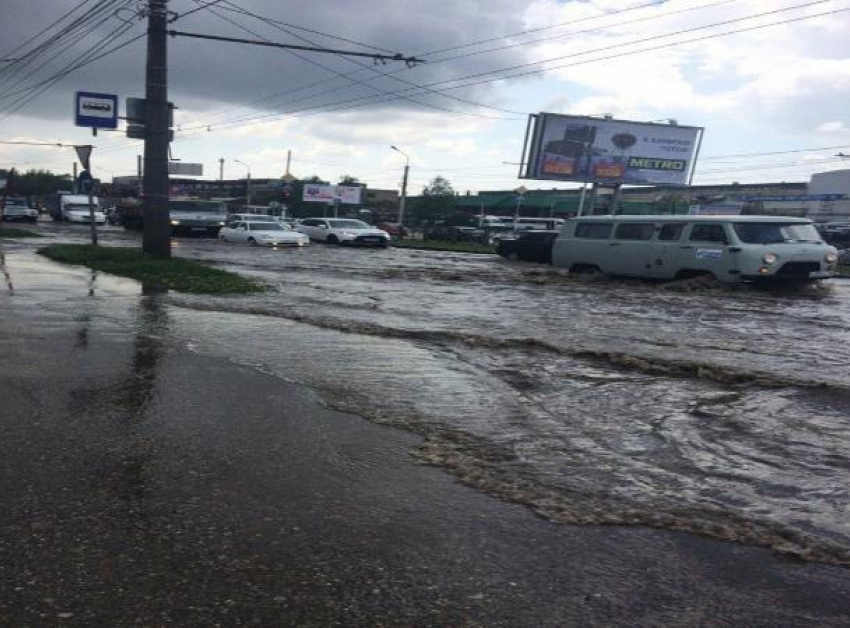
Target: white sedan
{"x": 343, "y": 231}
{"x": 262, "y": 233}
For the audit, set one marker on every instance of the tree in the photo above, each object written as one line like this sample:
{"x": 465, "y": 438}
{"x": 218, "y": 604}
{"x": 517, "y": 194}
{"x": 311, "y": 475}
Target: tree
{"x": 439, "y": 186}
{"x": 347, "y": 179}
{"x": 37, "y": 182}
{"x": 436, "y": 203}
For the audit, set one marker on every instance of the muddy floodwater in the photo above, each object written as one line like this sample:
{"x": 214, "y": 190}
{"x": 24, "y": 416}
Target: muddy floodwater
{"x": 719, "y": 411}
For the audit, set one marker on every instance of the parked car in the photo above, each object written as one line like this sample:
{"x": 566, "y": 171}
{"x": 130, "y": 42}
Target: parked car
{"x": 456, "y": 234}
{"x": 393, "y": 228}
{"x": 529, "y": 246}
{"x": 113, "y": 216}
{"x": 17, "y": 210}
{"x": 343, "y": 231}
{"x": 262, "y": 233}
{"x": 835, "y": 232}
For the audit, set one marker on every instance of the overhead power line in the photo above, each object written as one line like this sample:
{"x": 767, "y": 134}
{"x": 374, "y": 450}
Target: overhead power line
{"x": 409, "y": 61}
{"x": 70, "y": 35}
{"x": 445, "y": 84}
{"x": 779, "y": 152}
{"x": 374, "y": 70}
{"x": 50, "y": 144}
{"x": 208, "y": 120}
{"x": 46, "y": 29}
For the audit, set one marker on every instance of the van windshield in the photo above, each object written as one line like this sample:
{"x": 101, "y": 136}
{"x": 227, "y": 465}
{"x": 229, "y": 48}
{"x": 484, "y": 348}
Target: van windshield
{"x": 776, "y": 232}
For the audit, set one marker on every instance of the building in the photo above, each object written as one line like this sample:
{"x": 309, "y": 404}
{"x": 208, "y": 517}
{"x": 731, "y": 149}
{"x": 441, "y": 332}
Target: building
{"x": 826, "y": 198}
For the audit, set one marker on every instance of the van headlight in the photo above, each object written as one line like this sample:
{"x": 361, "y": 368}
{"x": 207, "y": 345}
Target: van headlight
{"x": 175, "y": 222}
{"x": 831, "y": 257}
{"x": 769, "y": 258}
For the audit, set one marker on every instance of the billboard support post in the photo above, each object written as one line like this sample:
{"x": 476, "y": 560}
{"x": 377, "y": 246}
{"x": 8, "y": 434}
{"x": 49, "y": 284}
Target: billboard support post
{"x": 615, "y": 199}
{"x": 696, "y": 156}
{"x": 581, "y": 198}
{"x": 594, "y": 190}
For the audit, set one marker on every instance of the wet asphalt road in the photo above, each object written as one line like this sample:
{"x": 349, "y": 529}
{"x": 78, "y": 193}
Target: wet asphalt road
{"x": 145, "y": 482}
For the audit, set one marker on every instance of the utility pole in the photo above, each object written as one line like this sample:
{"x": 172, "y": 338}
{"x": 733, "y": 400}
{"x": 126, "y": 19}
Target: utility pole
{"x": 156, "y": 239}
{"x": 247, "y": 182}
{"x": 403, "y": 186}
{"x": 403, "y": 195}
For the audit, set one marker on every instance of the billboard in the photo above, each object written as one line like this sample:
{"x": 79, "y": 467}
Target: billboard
{"x": 328, "y": 193}
{"x": 579, "y": 148}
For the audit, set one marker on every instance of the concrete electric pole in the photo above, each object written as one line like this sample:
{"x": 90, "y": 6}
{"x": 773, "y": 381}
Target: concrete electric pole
{"x": 156, "y": 239}
{"x": 403, "y": 186}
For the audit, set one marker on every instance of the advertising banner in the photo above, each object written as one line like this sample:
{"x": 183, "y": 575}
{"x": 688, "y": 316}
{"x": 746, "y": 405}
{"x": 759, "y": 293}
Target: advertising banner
{"x": 328, "y": 193}
{"x": 578, "y": 148}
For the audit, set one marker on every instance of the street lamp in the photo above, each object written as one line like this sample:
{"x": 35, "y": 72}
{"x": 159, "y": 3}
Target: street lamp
{"x": 248, "y": 183}
{"x": 520, "y": 197}
{"x": 403, "y": 186}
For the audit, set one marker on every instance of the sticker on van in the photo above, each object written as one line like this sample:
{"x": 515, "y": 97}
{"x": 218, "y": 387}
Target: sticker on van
{"x": 709, "y": 253}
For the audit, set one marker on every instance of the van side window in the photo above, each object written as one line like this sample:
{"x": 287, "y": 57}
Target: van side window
{"x": 634, "y": 231}
{"x": 708, "y": 233}
{"x": 671, "y": 231}
{"x": 594, "y": 230}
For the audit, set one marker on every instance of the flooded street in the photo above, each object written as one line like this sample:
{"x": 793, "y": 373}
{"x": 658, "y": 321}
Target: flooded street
{"x": 718, "y": 411}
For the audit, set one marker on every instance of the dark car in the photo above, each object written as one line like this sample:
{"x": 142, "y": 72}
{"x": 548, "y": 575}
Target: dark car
{"x": 393, "y": 228}
{"x": 835, "y": 232}
{"x": 455, "y": 234}
{"x": 529, "y": 246}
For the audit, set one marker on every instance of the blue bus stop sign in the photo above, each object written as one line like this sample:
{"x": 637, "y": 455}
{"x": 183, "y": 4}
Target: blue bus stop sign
{"x": 96, "y": 111}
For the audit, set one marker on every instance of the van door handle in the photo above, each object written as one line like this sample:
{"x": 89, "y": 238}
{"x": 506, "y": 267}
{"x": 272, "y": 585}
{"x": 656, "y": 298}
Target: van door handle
{"x": 613, "y": 244}
{"x": 687, "y": 247}
{"x": 734, "y": 249}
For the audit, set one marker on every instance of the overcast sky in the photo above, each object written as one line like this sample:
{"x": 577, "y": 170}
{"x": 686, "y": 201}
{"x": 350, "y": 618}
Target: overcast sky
{"x": 785, "y": 87}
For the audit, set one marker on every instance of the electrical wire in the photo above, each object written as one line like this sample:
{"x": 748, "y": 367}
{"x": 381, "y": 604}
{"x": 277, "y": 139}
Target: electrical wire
{"x": 88, "y": 57}
{"x": 333, "y": 71}
{"x": 46, "y": 29}
{"x": 433, "y": 62}
{"x": 359, "y": 102}
{"x": 68, "y": 36}
{"x": 386, "y": 74}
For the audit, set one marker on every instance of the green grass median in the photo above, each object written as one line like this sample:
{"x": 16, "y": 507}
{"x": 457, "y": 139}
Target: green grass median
{"x": 442, "y": 245}
{"x": 176, "y": 274}
{"x": 6, "y": 232}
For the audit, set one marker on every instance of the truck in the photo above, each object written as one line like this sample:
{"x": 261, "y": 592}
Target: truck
{"x": 68, "y": 207}
{"x": 188, "y": 215}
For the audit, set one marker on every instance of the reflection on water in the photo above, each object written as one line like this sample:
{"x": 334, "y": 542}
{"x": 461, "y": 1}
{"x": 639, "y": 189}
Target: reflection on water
{"x": 7, "y": 276}
{"x": 714, "y": 410}
{"x": 125, "y": 468}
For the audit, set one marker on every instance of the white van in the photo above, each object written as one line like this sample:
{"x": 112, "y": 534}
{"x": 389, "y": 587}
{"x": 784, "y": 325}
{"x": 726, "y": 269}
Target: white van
{"x": 729, "y": 248}
{"x": 75, "y": 208}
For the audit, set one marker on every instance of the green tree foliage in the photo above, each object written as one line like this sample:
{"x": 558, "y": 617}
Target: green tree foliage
{"x": 437, "y": 202}
{"x": 36, "y": 182}
{"x": 439, "y": 187}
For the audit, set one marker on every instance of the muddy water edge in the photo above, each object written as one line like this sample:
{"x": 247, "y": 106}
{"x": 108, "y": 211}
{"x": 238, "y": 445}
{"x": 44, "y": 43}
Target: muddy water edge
{"x": 718, "y": 411}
